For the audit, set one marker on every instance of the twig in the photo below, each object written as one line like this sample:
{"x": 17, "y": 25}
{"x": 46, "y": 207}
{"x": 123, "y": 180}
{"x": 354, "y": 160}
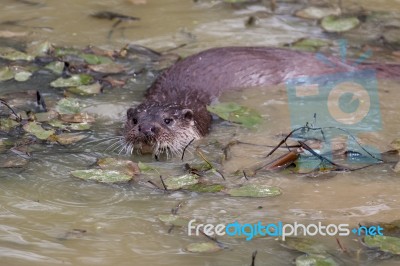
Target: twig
{"x": 253, "y": 258}
{"x": 184, "y": 149}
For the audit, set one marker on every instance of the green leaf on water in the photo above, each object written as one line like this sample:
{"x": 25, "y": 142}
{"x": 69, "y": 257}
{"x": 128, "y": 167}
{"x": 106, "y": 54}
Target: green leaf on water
{"x": 385, "y": 243}
{"x": 305, "y": 245}
{"x": 94, "y": 88}
{"x": 6, "y": 73}
{"x": 73, "y": 81}
{"x": 315, "y": 260}
{"x": 68, "y": 106}
{"x": 145, "y": 167}
{"x": 204, "y": 188}
{"x": 41, "y": 48}
{"x": 254, "y": 190}
{"x": 14, "y": 55}
{"x": 35, "y": 129}
{"x": 205, "y": 247}
{"x": 339, "y": 24}
{"x": 22, "y": 76}
{"x": 102, "y": 176}
{"x": 314, "y": 12}
{"x": 67, "y": 138}
{"x": 180, "y": 181}
{"x": 235, "y": 113}
{"x": 125, "y": 166}
{"x": 93, "y": 59}
{"x": 56, "y": 67}
{"x": 173, "y": 219}
{"x": 6, "y": 124}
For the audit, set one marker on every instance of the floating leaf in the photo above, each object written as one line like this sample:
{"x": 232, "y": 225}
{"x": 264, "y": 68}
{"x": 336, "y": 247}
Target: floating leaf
{"x": 125, "y": 166}
{"x": 173, "y": 219}
{"x": 385, "y": 243}
{"x": 56, "y": 67}
{"x": 6, "y": 74}
{"x": 67, "y": 138}
{"x": 205, "y": 247}
{"x": 22, "y": 76}
{"x": 309, "y": 44}
{"x": 254, "y": 190}
{"x": 37, "y": 130}
{"x": 68, "y": 106}
{"x": 314, "y": 12}
{"x": 93, "y": 59}
{"x": 41, "y": 48}
{"x": 110, "y": 68}
{"x": 46, "y": 116}
{"x": 102, "y": 176}
{"x": 6, "y": 124}
{"x": 339, "y": 24}
{"x": 145, "y": 167}
{"x": 204, "y": 188}
{"x": 235, "y": 113}
{"x": 180, "y": 181}
{"x": 94, "y": 88}
{"x": 73, "y": 81}
{"x": 14, "y": 55}
{"x": 315, "y": 260}
{"x": 305, "y": 245}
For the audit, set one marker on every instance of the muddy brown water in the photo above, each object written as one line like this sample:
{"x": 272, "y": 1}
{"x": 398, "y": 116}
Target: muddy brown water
{"x": 48, "y": 217}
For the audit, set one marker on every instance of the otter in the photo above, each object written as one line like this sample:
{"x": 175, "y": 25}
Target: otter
{"x": 174, "y": 112}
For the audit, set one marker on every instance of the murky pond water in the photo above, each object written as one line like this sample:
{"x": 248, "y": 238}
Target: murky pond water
{"x": 50, "y": 218}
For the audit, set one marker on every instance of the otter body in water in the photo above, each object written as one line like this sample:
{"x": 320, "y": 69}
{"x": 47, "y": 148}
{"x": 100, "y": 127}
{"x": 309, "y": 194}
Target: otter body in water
{"x": 174, "y": 112}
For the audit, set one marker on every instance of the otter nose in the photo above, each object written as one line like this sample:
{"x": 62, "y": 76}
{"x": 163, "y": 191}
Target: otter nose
{"x": 148, "y": 129}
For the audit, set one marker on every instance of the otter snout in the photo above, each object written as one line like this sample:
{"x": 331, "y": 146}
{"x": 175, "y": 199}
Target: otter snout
{"x": 148, "y": 129}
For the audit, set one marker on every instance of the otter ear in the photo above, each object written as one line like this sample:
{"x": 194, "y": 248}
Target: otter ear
{"x": 130, "y": 112}
{"x": 187, "y": 114}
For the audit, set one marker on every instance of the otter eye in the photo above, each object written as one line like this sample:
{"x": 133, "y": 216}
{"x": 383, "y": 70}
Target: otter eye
{"x": 167, "y": 121}
{"x": 134, "y": 121}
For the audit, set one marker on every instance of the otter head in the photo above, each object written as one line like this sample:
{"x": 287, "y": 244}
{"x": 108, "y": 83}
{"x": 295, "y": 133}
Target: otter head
{"x": 159, "y": 128}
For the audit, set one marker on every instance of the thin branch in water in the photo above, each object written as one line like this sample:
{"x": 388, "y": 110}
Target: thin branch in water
{"x": 184, "y": 149}
{"x": 17, "y": 117}
{"x": 245, "y": 176}
{"x": 176, "y": 208}
{"x": 162, "y": 181}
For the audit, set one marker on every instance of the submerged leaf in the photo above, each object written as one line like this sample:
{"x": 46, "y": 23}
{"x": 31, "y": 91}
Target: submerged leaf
{"x": 254, "y": 190}
{"x": 180, "y": 181}
{"x": 205, "y": 247}
{"x": 204, "y": 188}
{"x": 305, "y": 245}
{"x": 235, "y": 113}
{"x": 173, "y": 219}
{"x": 102, "y": 176}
